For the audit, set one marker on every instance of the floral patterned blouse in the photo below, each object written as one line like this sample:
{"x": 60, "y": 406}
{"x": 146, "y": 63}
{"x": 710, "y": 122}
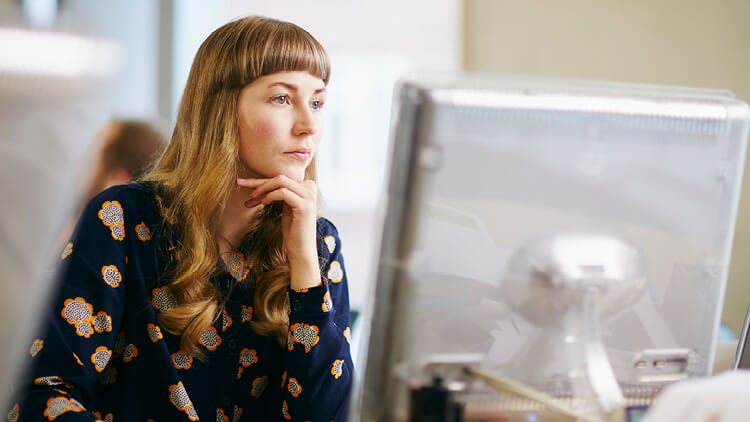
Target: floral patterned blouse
{"x": 103, "y": 356}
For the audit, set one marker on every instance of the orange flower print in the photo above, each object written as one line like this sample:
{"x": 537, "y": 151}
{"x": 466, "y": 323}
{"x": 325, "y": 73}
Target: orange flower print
{"x": 67, "y": 251}
{"x": 330, "y": 242}
{"x": 143, "y": 232}
{"x": 179, "y": 398}
{"x": 36, "y": 346}
{"x": 290, "y": 341}
{"x": 283, "y": 379}
{"x": 285, "y": 411}
{"x": 259, "y": 386}
{"x": 238, "y": 266}
{"x": 210, "y": 339}
{"x": 240, "y": 274}
{"x": 163, "y": 299}
{"x": 220, "y": 416}
{"x": 305, "y": 290}
{"x": 13, "y": 414}
{"x": 84, "y": 329}
{"x": 348, "y": 335}
{"x": 305, "y": 334}
{"x": 335, "y": 273}
{"x": 182, "y": 360}
{"x": 327, "y": 303}
{"x": 100, "y": 358}
{"x": 246, "y": 313}
{"x": 236, "y": 260}
{"x": 77, "y": 310}
{"x": 237, "y": 413}
{"x": 56, "y": 406}
{"x": 111, "y": 213}
{"x": 102, "y": 322}
{"x": 336, "y": 368}
{"x": 112, "y": 216}
{"x": 75, "y": 406}
{"x": 154, "y": 332}
{"x": 49, "y": 380}
{"x": 118, "y": 231}
{"x": 111, "y": 275}
{"x": 78, "y": 361}
{"x": 294, "y": 388}
{"x": 226, "y": 320}
{"x": 130, "y": 353}
{"x": 108, "y": 375}
{"x": 239, "y": 372}
{"x": 248, "y": 357}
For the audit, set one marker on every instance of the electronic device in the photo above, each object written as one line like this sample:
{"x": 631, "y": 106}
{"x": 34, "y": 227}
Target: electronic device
{"x": 482, "y": 165}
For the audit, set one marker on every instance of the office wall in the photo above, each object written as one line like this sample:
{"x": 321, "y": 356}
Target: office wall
{"x": 675, "y": 42}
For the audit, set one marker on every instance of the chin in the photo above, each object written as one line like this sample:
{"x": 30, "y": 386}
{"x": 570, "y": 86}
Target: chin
{"x": 296, "y": 175}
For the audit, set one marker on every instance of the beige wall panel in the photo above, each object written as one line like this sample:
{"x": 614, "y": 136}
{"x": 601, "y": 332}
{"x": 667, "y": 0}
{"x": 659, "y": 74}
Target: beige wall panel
{"x": 673, "y": 42}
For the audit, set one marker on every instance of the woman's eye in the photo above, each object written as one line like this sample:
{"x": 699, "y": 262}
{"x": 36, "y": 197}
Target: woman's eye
{"x": 281, "y": 99}
{"x": 317, "y": 104}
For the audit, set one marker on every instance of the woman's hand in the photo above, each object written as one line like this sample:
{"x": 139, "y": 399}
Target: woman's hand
{"x": 298, "y": 222}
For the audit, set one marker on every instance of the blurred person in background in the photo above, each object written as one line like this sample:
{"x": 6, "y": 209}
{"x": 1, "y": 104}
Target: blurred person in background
{"x": 124, "y": 150}
{"x": 121, "y": 153}
{"x": 211, "y": 288}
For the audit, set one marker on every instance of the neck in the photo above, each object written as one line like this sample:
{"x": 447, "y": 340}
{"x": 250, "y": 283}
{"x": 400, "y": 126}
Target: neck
{"x": 234, "y": 220}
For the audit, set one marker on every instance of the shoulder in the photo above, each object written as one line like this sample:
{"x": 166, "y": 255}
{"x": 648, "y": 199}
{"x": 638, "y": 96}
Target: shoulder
{"x": 131, "y": 199}
{"x": 135, "y": 191}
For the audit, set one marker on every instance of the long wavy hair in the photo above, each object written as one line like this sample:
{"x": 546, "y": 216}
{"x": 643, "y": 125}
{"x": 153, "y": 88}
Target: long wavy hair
{"x": 199, "y": 167}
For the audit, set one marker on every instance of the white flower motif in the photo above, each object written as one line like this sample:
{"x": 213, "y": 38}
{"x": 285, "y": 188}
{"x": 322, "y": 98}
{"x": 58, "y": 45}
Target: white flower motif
{"x": 335, "y": 272}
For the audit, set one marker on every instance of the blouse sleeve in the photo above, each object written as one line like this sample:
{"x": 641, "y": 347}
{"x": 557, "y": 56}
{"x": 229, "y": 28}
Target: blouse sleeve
{"x": 318, "y": 364}
{"x": 82, "y": 318}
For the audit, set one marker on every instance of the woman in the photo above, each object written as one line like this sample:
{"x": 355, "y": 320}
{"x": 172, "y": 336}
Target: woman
{"x": 210, "y": 289}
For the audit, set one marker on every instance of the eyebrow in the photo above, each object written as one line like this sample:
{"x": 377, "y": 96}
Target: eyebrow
{"x": 293, "y": 87}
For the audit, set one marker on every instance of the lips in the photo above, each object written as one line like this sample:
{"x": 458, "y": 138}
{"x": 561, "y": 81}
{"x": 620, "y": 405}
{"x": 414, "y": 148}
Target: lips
{"x": 301, "y": 154}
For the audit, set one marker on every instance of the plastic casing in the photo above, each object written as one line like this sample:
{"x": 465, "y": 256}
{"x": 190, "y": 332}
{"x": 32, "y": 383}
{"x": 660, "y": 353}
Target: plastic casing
{"x": 482, "y": 163}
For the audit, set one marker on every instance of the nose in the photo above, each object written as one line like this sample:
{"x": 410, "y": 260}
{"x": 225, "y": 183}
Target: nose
{"x": 305, "y": 122}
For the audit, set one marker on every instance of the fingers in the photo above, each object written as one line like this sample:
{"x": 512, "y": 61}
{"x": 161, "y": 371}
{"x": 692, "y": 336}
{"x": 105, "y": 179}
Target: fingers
{"x": 250, "y": 183}
{"x": 282, "y": 194}
{"x": 280, "y": 188}
{"x": 305, "y": 188}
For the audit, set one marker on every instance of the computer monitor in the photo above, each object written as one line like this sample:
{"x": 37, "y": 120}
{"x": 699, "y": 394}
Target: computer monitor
{"x": 481, "y": 164}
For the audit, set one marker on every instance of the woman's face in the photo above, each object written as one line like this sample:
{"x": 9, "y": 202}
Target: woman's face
{"x": 280, "y": 123}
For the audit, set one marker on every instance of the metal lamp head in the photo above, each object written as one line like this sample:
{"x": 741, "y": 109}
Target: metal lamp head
{"x": 549, "y": 274}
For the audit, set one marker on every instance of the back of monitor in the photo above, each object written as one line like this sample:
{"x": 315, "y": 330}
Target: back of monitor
{"x": 483, "y": 164}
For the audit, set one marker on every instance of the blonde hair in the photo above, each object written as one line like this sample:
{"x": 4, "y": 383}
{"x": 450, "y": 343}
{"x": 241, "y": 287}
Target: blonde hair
{"x": 197, "y": 172}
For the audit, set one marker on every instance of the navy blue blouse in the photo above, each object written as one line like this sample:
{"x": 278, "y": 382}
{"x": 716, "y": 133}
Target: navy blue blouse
{"x": 103, "y": 356}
